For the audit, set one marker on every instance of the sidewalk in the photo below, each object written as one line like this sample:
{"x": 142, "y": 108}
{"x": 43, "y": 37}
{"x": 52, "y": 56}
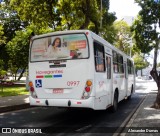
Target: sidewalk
{"x": 13, "y": 103}
{"x": 145, "y": 121}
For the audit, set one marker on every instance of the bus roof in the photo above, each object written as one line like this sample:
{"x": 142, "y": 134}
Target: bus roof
{"x": 60, "y": 32}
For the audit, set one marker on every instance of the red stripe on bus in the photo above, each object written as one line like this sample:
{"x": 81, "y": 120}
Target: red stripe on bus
{"x": 39, "y": 76}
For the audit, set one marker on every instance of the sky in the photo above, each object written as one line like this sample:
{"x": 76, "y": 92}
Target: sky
{"x": 124, "y": 8}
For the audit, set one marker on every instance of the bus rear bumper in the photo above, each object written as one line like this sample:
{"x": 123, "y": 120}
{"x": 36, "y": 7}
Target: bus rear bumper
{"x": 86, "y": 103}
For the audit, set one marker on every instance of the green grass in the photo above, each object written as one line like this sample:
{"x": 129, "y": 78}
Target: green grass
{"x": 12, "y": 91}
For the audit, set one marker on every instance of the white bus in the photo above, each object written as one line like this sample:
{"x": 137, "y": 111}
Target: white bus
{"x": 78, "y": 69}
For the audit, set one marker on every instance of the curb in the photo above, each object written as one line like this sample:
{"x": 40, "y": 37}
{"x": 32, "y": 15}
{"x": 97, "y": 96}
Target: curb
{"x": 14, "y": 107}
{"x": 120, "y": 130}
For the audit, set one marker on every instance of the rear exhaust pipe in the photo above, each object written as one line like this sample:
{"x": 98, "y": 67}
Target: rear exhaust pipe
{"x": 47, "y": 102}
{"x": 69, "y": 103}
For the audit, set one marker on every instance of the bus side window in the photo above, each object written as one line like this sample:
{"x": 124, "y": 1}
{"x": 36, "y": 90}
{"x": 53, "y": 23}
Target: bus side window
{"x": 115, "y": 62}
{"x": 130, "y": 67}
{"x": 120, "y": 63}
{"x": 108, "y": 65}
{"x": 99, "y": 57}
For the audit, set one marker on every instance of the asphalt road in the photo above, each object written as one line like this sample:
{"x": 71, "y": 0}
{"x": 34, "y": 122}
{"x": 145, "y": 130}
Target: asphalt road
{"x": 74, "y": 121}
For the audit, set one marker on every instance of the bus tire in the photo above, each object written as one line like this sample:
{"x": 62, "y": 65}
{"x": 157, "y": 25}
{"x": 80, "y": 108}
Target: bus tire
{"x": 130, "y": 96}
{"x": 115, "y": 102}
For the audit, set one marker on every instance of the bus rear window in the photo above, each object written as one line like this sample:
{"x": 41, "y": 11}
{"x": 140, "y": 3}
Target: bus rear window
{"x": 72, "y": 46}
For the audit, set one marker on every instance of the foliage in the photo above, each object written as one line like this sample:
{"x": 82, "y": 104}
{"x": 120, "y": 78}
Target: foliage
{"x": 78, "y": 14}
{"x": 142, "y": 36}
{"x": 147, "y": 35}
{"x": 107, "y": 31}
{"x": 139, "y": 62}
{"x": 2, "y": 41}
{"x": 150, "y": 11}
{"x": 109, "y": 34}
{"x": 18, "y": 48}
{"x": 64, "y": 14}
{"x": 2, "y": 37}
{"x": 123, "y": 37}
{"x": 145, "y": 27}
{"x": 2, "y": 73}
{"x": 15, "y": 51}
{"x": 1, "y": 64}
{"x": 38, "y": 12}
{"x": 11, "y": 23}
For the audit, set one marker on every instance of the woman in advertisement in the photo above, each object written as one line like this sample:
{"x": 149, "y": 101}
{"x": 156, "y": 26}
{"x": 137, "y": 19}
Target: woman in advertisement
{"x": 54, "y": 48}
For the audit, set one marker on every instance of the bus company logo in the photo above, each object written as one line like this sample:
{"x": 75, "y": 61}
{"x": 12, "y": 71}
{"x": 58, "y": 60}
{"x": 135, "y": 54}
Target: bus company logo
{"x": 49, "y": 72}
{"x": 6, "y": 130}
{"x": 38, "y": 83}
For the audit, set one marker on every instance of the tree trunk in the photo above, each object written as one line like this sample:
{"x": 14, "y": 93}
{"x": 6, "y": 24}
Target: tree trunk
{"x": 21, "y": 74}
{"x": 156, "y": 77}
{"x": 15, "y": 76}
{"x": 86, "y": 12}
{"x": 136, "y": 72}
{"x": 141, "y": 73}
{"x": 157, "y": 102}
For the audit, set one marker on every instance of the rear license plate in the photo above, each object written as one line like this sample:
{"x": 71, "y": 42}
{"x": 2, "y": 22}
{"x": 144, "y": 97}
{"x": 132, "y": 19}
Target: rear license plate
{"x": 57, "y": 91}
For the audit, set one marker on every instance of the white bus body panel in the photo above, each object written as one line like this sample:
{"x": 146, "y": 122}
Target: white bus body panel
{"x": 78, "y": 71}
{"x": 88, "y": 103}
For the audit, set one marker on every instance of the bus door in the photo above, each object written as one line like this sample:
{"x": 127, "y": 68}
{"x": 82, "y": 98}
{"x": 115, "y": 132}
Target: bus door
{"x": 109, "y": 86}
{"x": 126, "y": 78}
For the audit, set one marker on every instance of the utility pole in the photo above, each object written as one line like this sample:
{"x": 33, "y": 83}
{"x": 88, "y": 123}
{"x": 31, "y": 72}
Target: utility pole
{"x": 101, "y": 16}
{"x": 100, "y": 20}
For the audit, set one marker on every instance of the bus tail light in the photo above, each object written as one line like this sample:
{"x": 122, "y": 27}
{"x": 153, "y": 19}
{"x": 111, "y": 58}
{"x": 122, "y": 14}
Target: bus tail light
{"x": 87, "y": 89}
{"x": 30, "y": 84}
{"x": 89, "y": 83}
{"x": 32, "y": 90}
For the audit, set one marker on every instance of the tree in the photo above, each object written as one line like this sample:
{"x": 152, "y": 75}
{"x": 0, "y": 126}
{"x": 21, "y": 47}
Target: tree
{"x": 2, "y": 72}
{"x": 38, "y": 12}
{"x": 140, "y": 63}
{"x": 18, "y": 49}
{"x": 2, "y": 41}
{"x": 2, "y": 37}
{"x": 79, "y": 14}
{"x": 107, "y": 30}
{"x": 123, "y": 36}
{"x": 11, "y": 23}
{"x": 147, "y": 36}
{"x": 65, "y": 14}
{"x": 109, "y": 33}
{"x": 141, "y": 34}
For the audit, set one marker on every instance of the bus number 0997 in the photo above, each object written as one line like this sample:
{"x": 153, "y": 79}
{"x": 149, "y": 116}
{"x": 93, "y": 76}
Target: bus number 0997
{"x": 73, "y": 83}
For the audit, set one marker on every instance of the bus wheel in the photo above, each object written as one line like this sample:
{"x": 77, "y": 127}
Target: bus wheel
{"x": 115, "y": 102}
{"x": 129, "y": 97}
